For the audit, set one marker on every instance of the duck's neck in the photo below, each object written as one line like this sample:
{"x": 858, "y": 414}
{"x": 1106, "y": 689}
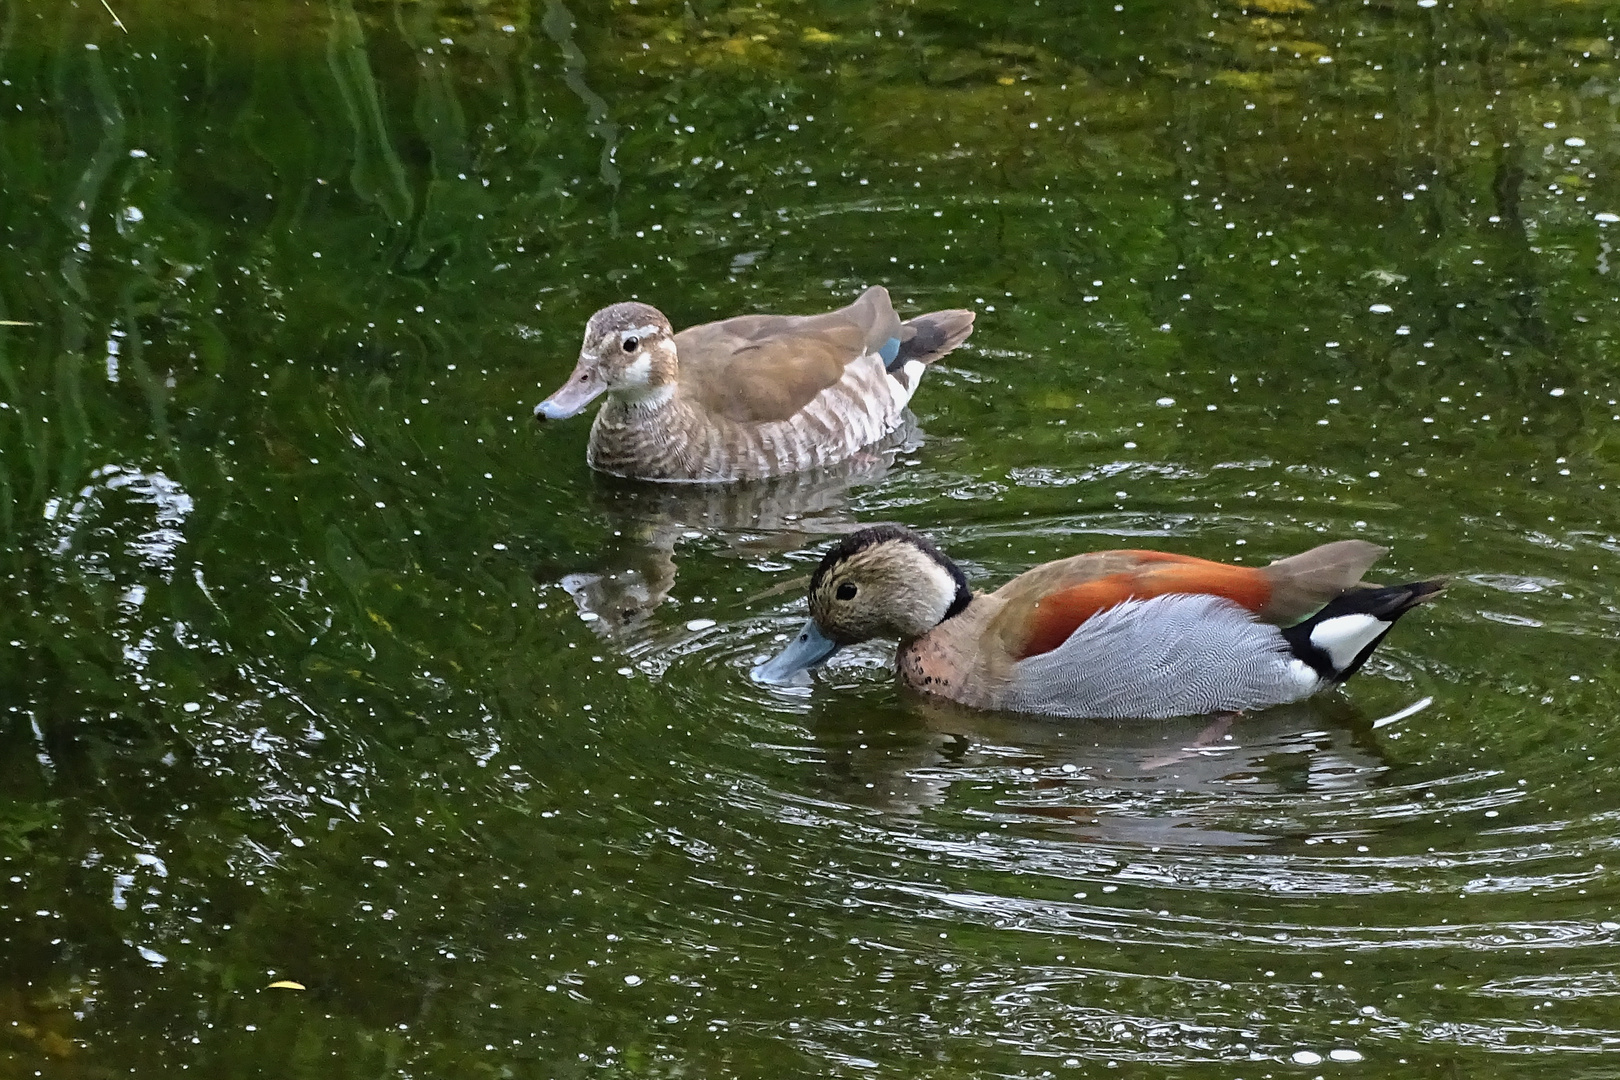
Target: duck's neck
{"x": 643, "y": 401}
{"x": 638, "y": 408}
{"x": 649, "y": 434}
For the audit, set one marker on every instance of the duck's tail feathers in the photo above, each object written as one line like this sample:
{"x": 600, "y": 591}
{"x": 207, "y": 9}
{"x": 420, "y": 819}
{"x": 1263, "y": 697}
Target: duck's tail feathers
{"x": 931, "y": 336}
{"x": 1300, "y": 584}
{"x": 1337, "y": 640}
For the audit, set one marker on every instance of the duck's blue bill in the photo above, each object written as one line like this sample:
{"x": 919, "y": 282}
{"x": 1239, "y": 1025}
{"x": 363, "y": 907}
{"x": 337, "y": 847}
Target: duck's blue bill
{"x": 808, "y": 648}
{"x": 580, "y": 390}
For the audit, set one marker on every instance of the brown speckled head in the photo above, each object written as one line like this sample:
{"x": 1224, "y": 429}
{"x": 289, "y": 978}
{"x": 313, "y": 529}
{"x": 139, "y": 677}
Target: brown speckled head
{"x": 629, "y": 349}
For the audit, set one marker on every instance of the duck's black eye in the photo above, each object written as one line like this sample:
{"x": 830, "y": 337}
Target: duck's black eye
{"x": 630, "y": 344}
{"x": 846, "y": 591}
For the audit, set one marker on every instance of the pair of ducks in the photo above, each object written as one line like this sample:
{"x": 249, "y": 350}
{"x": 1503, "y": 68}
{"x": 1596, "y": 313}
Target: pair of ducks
{"x": 1108, "y": 634}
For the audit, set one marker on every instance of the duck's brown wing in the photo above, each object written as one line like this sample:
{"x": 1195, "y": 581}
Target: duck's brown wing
{"x": 1044, "y": 606}
{"x": 761, "y": 368}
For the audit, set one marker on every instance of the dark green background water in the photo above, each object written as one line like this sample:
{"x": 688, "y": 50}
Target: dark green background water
{"x": 323, "y": 664}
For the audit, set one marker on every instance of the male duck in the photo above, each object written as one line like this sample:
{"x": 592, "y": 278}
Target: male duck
{"x": 750, "y": 397}
{"x": 1109, "y": 634}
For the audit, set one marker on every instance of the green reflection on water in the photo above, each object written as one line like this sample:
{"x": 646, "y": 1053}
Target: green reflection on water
{"x": 298, "y": 684}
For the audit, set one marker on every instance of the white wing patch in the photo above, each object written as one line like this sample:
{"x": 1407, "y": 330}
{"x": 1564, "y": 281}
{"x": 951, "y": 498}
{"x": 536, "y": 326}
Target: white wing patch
{"x": 1344, "y": 636}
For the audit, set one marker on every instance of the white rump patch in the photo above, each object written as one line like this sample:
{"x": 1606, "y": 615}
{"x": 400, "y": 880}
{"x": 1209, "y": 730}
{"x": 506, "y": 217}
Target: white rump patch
{"x": 1344, "y": 636}
{"x": 1305, "y": 677}
{"x": 909, "y": 377}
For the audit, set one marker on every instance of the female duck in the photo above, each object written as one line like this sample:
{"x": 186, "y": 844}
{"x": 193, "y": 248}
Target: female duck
{"x": 750, "y": 397}
{"x": 1109, "y": 634}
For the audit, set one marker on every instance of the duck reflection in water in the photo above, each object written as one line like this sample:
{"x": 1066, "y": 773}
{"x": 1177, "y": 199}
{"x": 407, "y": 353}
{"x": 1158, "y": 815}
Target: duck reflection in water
{"x": 618, "y": 589}
{"x": 1196, "y": 782}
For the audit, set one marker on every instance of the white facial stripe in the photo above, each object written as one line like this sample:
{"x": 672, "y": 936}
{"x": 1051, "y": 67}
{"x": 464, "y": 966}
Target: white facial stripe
{"x": 942, "y": 586}
{"x": 639, "y": 331}
{"x": 1343, "y": 637}
{"x": 636, "y": 374}
{"x": 932, "y": 592}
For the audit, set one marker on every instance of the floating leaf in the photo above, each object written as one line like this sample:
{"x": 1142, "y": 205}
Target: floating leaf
{"x": 56, "y": 1045}
{"x": 1310, "y": 50}
{"x": 1246, "y": 80}
{"x": 1594, "y": 46}
{"x": 1267, "y": 27}
{"x": 286, "y": 984}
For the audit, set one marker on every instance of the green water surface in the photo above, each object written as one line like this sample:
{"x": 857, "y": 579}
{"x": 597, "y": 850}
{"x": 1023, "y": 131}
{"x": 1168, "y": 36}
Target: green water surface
{"x": 321, "y": 663}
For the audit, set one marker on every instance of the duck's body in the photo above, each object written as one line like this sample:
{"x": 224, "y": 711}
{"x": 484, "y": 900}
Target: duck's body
{"x": 1108, "y": 634}
{"x": 749, "y": 397}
